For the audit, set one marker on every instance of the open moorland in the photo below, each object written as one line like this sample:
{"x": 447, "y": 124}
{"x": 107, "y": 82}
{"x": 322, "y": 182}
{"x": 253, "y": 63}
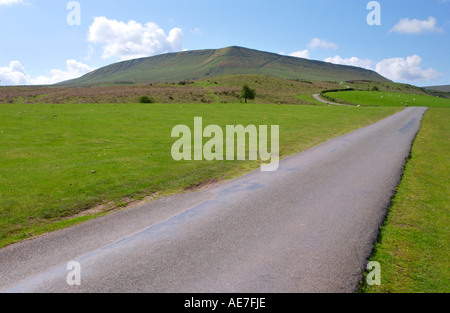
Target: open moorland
{"x": 221, "y": 89}
{"x": 200, "y": 64}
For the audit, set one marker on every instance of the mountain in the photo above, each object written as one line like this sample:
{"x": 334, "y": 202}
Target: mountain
{"x": 444, "y": 88}
{"x": 192, "y": 65}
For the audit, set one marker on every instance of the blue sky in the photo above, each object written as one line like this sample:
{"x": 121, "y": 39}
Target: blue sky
{"x": 42, "y": 41}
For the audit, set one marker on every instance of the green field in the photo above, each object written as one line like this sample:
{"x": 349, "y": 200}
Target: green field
{"x": 59, "y": 160}
{"x": 377, "y": 98}
{"x": 413, "y": 247}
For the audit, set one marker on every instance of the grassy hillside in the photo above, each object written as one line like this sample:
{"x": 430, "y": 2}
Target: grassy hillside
{"x": 438, "y": 93}
{"x": 193, "y": 65}
{"x": 443, "y": 88}
{"x": 221, "y": 89}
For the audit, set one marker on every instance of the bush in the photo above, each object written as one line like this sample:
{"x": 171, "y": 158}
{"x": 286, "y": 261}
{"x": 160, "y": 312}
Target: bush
{"x": 145, "y": 99}
{"x": 375, "y": 88}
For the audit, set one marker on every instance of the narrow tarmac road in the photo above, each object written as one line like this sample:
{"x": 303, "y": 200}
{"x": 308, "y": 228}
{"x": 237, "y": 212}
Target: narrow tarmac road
{"x": 308, "y": 227}
{"x": 318, "y": 98}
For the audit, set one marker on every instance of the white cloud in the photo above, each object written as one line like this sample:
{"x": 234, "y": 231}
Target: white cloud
{"x": 300, "y": 54}
{"x": 197, "y": 31}
{"x": 90, "y": 53}
{"x": 319, "y": 43}
{"x": 74, "y": 69}
{"x": 400, "y": 69}
{"x": 416, "y": 27}
{"x": 397, "y": 69}
{"x": 11, "y": 2}
{"x": 133, "y": 40}
{"x": 15, "y": 74}
{"x": 353, "y": 61}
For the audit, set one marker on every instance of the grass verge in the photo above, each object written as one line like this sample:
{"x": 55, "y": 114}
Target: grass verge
{"x": 413, "y": 247}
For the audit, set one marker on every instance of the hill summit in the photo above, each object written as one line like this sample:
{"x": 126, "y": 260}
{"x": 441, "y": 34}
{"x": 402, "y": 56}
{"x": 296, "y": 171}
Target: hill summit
{"x": 199, "y": 64}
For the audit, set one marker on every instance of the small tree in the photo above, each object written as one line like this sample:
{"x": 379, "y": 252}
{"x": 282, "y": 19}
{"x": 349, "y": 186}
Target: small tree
{"x": 145, "y": 99}
{"x": 375, "y": 88}
{"x": 248, "y": 93}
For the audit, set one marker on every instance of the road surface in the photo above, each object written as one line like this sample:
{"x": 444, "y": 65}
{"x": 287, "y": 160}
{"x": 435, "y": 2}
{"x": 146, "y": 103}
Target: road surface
{"x": 308, "y": 227}
{"x": 318, "y": 98}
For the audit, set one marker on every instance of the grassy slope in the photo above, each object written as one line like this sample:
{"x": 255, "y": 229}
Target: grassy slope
{"x": 413, "y": 249}
{"x": 371, "y": 98}
{"x": 268, "y": 89}
{"x": 192, "y": 65}
{"x": 225, "y": 88}
{"x": 443, "y": 88}
{"x": 48, "y": 152}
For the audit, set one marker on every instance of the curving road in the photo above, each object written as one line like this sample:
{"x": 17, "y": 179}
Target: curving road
{"x": 318, "y": 98}
{"x": 308, "y": 227}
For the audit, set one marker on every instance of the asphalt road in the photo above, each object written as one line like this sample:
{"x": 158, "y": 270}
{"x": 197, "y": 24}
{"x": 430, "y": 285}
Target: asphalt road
{"x": 308, "y": 227}
{"x": 318, "y": 98}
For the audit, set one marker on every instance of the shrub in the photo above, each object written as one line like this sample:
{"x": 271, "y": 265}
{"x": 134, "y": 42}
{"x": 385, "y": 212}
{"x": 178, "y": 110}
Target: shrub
{"x": 145, "y": 99}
